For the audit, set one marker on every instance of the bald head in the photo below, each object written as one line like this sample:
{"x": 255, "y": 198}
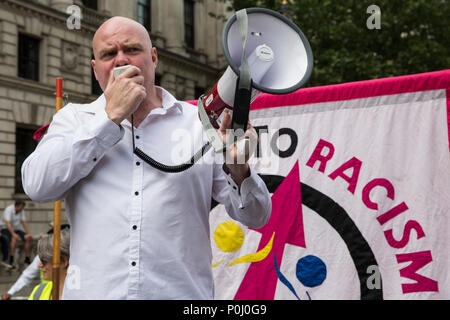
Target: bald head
{"x": 121, "y": 41}
{"x": 119, "y": 25}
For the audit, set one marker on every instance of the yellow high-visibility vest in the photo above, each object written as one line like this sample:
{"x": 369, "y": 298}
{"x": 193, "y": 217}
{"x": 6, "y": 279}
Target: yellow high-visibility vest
{"x": 42, "y": 291}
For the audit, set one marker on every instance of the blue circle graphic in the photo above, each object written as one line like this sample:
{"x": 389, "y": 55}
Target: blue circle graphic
{"x": 311, "y": 271}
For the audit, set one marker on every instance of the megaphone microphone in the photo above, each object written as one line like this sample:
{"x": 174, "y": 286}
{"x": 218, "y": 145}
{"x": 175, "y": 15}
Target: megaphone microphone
{"x": 266, "y": 52}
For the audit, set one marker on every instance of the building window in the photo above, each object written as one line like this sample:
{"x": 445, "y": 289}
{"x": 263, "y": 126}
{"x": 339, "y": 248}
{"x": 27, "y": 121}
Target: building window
{"x": 91, "y": 4}
{"x": 28, "y": 58}
{"x": 145, "y": 13}
{"x": 25, "y": 145}
{"x": 189, "y": 23}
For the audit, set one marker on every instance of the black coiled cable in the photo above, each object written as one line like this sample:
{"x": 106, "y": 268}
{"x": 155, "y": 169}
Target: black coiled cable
{"x": 165, "y": 168}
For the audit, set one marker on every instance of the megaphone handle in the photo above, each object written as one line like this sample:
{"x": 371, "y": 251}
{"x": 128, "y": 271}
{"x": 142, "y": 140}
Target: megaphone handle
{"x": 243, "y": 91}
{"x": 241, "y": 109}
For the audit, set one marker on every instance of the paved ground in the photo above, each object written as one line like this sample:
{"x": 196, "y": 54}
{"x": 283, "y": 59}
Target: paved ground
{"x": 8, "y": 278}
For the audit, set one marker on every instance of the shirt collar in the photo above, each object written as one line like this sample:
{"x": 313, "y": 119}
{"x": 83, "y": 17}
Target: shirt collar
{"x": 94, "y": 106}
{"x": 168, "y": 100}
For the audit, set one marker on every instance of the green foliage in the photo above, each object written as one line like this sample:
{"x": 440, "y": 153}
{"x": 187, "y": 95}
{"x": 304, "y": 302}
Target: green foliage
{"x": 414, "y": 37}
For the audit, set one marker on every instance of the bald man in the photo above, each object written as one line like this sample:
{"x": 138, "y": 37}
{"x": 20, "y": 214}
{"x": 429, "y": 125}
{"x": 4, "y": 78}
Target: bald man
{"x": 137, "y": 232}
{"x": 118, "y": 42}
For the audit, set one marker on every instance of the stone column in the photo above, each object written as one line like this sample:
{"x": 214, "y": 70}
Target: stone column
{"x": 200, "y": 26}
{"x": 169, "y": 82}
{"x": 174, "y": 25}
{"x": 189, "y": 93}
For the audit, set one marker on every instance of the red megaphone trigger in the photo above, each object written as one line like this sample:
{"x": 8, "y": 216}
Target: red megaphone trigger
{"x": 214, "y": 106}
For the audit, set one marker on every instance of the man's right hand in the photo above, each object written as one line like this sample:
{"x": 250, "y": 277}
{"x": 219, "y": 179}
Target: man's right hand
{"x": 124, "y": 94}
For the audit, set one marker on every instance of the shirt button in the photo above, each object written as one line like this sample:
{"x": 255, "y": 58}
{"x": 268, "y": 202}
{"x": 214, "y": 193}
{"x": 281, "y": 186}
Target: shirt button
{"x": 138, "y": 163}
{"x": 136, "y": 193}
{"x": 95, "y": 159}
{"x": 137, "y": 137}
{"x": 133, "y": 263}
{"x": 134, "y": 227}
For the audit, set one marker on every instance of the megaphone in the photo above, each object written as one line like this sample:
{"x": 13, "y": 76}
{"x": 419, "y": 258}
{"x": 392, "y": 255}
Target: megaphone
{"x": 275, "y": 53}
{"x": 266, "y": 52}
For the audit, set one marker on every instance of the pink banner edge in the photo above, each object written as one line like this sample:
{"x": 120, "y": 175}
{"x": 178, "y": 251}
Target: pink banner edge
{"x": 434, "y": 80}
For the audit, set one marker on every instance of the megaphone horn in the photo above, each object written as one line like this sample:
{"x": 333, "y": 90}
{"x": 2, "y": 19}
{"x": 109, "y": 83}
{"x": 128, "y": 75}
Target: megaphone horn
{"x": 279, "y": 59}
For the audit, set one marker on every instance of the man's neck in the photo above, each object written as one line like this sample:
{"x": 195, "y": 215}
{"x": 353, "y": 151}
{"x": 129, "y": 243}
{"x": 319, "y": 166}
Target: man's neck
{"x": 152, "y": 101}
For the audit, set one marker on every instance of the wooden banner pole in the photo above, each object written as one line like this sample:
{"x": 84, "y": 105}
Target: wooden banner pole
{"x": 57, "y": 214}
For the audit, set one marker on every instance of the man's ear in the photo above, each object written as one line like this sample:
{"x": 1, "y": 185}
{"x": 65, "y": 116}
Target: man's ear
{"x": 93, "y": 68}
{"x": 155, "y": 56}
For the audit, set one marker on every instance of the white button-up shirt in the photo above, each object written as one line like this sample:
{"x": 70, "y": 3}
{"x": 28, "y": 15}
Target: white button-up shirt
{"x": 15, "y": 218}
{"x": 137, "y": 232}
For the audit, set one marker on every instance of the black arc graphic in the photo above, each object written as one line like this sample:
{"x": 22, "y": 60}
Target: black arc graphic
{"x": 360, "y": 251}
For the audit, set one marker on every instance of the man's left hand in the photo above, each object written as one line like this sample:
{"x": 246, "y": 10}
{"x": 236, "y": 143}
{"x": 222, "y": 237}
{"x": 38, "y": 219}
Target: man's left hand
{"x": 236, "y": 158}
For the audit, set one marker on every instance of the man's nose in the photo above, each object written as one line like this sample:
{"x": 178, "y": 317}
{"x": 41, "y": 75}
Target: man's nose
{"x": 121, "y": 59}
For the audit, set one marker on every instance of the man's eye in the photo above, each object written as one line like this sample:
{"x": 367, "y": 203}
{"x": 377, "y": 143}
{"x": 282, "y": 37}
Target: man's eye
{"x": 108, "y": 54}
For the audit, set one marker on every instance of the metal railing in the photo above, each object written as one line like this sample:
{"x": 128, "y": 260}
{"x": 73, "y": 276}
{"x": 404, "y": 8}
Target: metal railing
{"x": 93, "y": 17}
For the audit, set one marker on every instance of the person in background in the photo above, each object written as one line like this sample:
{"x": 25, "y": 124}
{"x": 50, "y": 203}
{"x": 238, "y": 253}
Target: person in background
{"x": 43, "y": 291}
{"x": 33, "y": 271}
{"x": 28, "y": 275}
{"x": 13, "y": 216}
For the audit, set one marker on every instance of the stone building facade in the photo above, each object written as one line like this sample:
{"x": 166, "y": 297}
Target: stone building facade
{"x": 41, "y": 40}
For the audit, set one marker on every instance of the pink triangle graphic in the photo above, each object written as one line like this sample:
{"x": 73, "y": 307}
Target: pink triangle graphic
{"x": 286, "y": 221}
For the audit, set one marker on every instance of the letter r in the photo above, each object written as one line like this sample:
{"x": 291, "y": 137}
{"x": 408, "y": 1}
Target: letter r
{"x": 318, "y": 156}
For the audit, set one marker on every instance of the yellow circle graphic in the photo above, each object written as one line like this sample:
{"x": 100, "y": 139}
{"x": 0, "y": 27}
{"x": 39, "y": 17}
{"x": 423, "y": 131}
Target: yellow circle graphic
{"x": 228, "y": 236}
